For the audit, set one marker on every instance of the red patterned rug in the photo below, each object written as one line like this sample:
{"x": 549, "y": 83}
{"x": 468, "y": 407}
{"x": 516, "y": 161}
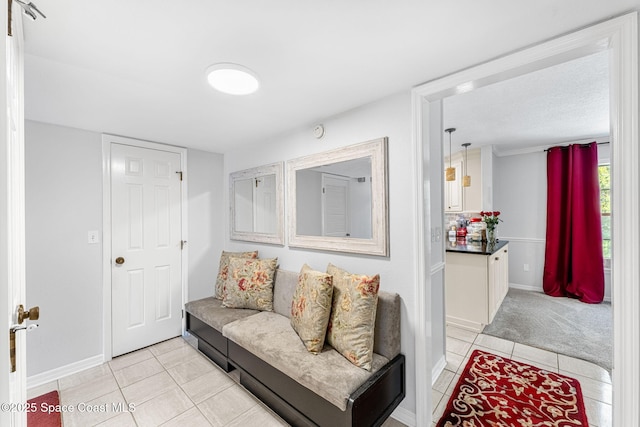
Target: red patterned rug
{"x": 46, "y": 412}
{"x": 496, "y": 391}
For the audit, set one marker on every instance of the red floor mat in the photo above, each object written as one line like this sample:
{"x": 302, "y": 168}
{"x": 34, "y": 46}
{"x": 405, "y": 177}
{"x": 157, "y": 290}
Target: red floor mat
{"x": 496, "y": 391}
{"x": 44, "y": 413}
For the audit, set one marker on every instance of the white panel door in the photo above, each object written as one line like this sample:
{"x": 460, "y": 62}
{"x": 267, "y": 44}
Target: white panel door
{"x": 12, "y": 221}
{"x": 146, "y": 286}
{"x": 265, "y": 204}
{"x": 335, "y": 206}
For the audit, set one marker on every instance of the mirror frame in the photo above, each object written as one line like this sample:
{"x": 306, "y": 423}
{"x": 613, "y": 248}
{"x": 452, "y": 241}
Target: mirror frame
{"x": 276, "y": 238}
{"x": 379, "y": 243}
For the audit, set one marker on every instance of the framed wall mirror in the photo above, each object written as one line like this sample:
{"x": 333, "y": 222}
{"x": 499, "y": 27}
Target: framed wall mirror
{"x": 256, "y": 200}
{"x": 337, "y": 200}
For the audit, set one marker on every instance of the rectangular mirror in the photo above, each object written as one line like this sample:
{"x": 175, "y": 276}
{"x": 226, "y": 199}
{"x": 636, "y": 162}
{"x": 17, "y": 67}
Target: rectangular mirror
{"x": 337, "y": 200}
{"x": 256, "y": 199}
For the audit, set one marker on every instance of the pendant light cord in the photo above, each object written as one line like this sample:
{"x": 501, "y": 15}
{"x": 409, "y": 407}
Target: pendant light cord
{"x": 450, "y": 148}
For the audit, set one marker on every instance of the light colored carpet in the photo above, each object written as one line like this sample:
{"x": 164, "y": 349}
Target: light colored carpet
{"x": 563, "y": 325}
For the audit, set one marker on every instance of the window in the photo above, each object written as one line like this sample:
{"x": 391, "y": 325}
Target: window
{"x": 605, "y": 208}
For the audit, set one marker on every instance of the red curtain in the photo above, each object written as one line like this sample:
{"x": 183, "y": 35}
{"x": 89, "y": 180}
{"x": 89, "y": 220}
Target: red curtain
{"x": 573, "y": 264}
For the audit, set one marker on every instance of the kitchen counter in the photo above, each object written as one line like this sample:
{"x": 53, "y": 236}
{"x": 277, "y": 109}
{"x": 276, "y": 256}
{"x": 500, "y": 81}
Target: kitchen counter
{"x": 476, "y": 281}
{"x": 480, "y": 248}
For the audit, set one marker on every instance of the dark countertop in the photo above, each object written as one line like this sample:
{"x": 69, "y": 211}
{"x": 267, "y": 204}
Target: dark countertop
{"x": 480, "y": 248}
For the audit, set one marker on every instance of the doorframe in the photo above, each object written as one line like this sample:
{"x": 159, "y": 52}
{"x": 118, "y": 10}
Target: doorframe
{"x": 620, "y": 37}
{"x": 107, "y": 141}
{"x": 13, "y": 388}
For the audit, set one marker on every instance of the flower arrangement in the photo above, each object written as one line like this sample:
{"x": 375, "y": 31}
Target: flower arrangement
{"x": 490, "y": 218}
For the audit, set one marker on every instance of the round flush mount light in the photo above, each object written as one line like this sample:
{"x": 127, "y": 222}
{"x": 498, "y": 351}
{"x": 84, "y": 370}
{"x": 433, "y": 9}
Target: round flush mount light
{"x": 233, "y": 79}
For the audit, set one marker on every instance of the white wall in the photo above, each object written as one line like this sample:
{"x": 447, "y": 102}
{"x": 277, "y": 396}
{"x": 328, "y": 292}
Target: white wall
{"x": 389, "y": 117}
{"x": 64, "y": 272}
{"x": 360, "y": 208}
{"x": 520, "y": 194}
{"x": 309, "y": 200}
{"x": 207, "y": 221}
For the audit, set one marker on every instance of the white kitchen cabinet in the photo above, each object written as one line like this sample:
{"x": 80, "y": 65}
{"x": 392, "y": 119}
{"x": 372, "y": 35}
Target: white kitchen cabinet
{"x": 472, "y": 195}
{"x": 469, "y": 199}
{"x": 453, "y": 194}
{"x": 475, "y": 286}
{"x": 498, "y": 270}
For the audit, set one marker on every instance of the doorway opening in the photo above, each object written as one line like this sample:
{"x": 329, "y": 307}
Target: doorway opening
{"x": 619, "y": 37}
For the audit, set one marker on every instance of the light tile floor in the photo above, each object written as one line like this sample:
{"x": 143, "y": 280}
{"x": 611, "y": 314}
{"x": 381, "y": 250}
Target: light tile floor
{"x": 173, "y": 384}
{"x": 167, "y": 384}
{"x": 594, "y": 380}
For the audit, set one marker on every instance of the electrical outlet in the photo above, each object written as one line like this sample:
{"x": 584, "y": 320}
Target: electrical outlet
{"x": 93, "y": 236}
{"x": 526, "y": 267}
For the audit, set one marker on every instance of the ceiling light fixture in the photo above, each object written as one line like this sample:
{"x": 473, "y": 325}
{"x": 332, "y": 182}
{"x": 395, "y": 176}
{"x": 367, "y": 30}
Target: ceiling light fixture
{"x": 466, "y": 179}
{"x": 233, "y": 79}
{"x": 450, "y": 171}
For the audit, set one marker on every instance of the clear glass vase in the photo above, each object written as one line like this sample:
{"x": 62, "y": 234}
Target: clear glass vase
{"x": 491, "y": 236}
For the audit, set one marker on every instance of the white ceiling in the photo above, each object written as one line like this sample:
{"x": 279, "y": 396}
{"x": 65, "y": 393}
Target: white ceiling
{"x": 566, "y": 102}
{"x": 136, "y": 68}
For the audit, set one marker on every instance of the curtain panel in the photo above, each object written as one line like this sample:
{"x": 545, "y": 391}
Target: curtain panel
{"x": 574, "y": 265}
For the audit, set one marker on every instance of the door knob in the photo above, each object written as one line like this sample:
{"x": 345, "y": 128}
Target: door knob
{"x": 31, "y": 314}
{"x": 119, "y": 260}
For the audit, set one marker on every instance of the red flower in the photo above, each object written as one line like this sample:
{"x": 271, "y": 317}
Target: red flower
{"x": 496, "y": 213}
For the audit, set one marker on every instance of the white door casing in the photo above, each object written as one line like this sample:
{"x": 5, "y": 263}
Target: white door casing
{"x": 146, "y": 227}
{"x": 12, "y": 219}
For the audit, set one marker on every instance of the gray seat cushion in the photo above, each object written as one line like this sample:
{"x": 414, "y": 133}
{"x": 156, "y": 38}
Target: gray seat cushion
{"x": 270, "y": 336}
{"x": 211, "y": 312}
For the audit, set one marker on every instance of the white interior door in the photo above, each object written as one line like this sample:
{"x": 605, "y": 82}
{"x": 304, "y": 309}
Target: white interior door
{"x": 265, "y": 204}
{"x": 335, "y": 206}
{"x": 146, "y": 246}
{"x": 12, "y": 239}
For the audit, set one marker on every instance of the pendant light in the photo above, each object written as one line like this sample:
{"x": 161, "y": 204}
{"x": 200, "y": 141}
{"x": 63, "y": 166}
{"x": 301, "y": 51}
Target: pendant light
{"x": 450, "y": 173}
{"x": 466, "y": 179}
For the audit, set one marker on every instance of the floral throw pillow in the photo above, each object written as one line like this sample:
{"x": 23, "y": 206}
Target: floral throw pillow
{"x": 353, "y": 315}
{"x": 311, "y": 307}
{"x": 223, "y": 271}
{"x": 250, "y": 284}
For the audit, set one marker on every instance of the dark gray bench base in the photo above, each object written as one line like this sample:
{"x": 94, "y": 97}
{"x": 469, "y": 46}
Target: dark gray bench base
{"x": 370, "y": 405}
{"x": 210, "y": 342}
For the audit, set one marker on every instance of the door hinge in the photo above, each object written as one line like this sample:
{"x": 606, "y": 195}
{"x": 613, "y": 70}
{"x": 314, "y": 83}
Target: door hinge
{"x": 182, "y": 244}
{"x": 183, "y": 314}
{"x": 180, "y": 172}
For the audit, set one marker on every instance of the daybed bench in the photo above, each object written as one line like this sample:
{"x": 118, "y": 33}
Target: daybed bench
{"x": 305, "y": 389}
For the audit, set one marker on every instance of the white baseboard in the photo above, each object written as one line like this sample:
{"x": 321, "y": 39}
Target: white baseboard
{"x": 438, "y": 367}
{"x": 536, "y": 289}
{"x": 405, "y": 416}
{"x": 63, "y": 371}
{"x": 525, "y": 287}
